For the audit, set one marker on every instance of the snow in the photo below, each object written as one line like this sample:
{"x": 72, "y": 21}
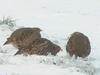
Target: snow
{"x": 58, "y": 19}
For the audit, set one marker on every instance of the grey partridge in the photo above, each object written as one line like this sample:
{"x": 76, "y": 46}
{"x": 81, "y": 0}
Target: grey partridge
{"x": 78, "y": 45}
{"x": 40, "y": 46}
{"x": 21, "y": 34}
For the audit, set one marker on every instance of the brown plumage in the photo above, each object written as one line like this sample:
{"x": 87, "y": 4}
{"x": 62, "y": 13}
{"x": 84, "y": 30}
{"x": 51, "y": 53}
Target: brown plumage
{"x": 78, "y": 45}
{"x": 57, "y": 48}
{"x": 40, "y": 46}
{"x": 20, "y": 35}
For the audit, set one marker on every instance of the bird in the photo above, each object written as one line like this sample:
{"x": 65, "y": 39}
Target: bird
{"x": 21, "y": 34}
{"x": 40, "y": 46}
{"x": 78, "y": 45}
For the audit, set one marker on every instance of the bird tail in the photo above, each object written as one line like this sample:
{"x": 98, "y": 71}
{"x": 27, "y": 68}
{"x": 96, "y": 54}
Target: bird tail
{"x": 7, "y": 42}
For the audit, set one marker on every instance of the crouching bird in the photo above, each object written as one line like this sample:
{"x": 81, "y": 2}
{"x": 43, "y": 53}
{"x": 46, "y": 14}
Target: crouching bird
{"x": 78, "y": 45}
{"x": 40, "y": 46}
{"x": 21, "y": 34}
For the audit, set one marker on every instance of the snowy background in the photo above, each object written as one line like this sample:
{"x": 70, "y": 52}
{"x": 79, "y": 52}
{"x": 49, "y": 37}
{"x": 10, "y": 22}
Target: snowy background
{"x": 58, "y": 19}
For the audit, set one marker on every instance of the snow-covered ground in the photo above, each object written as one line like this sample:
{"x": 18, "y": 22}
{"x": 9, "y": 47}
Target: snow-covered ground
{"x": 58, "y": 19}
